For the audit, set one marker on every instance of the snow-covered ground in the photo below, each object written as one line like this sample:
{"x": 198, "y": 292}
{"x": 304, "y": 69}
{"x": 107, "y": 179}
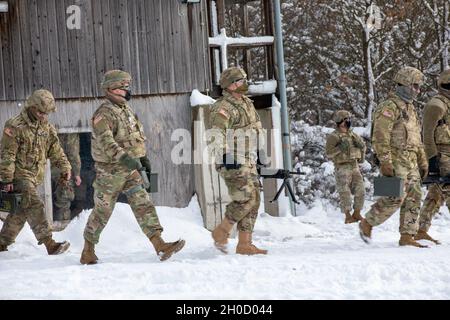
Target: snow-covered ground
{"x": 311, "y": 256}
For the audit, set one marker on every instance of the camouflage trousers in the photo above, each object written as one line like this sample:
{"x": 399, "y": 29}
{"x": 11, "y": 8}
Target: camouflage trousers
{"x": 433, "y": 202}
{"x": 111, "y": 180}
{"x": 436, "y": 196}
{"x": 349, "y": 181}
{"x": 243, "y": 189}
{"x": 31, "y": 211}
{"x": 409, "y": 204}
{"x": 64, "y": 194}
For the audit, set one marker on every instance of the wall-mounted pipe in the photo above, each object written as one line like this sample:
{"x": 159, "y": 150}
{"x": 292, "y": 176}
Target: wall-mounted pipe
{"x": 285, "y": 130}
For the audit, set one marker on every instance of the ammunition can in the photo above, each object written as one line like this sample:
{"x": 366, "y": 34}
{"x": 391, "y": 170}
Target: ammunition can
{"x": 388, "y": 187}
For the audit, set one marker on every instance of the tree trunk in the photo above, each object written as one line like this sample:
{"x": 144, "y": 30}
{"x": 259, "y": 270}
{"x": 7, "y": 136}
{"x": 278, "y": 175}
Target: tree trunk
{"x": 445, "y": 36}
{"x": 370, "y": 79}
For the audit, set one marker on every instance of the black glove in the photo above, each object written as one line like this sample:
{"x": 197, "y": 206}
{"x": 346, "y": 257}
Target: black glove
{"x": 129, "y": 162}
{"x": 433, "y": 166}
{"x": 229, "y": 162}
{"x": 145, "y": 161}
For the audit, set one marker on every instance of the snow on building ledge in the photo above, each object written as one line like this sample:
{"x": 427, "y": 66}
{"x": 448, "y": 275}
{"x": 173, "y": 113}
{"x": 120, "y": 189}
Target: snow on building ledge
{"x": 263, "y": 87}
{"x": 198, "y": 98}
{"x": 222, "y": 40}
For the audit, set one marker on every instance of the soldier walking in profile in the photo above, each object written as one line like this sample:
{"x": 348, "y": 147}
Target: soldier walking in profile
{"x": 28, "y": 141}
{"x": 397, "y": 142}
{"x": 436, "y": 138}
{"x": 118, "y": 149}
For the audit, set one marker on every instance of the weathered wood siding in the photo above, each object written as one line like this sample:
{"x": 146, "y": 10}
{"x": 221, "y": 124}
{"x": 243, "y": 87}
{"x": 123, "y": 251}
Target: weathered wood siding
{"x": 162, "y": 43}
{"x": 161, "y": 116}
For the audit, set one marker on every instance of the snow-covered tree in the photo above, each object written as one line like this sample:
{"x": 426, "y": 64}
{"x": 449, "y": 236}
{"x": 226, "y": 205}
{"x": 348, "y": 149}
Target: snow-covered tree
{"x": 344, "y": 53}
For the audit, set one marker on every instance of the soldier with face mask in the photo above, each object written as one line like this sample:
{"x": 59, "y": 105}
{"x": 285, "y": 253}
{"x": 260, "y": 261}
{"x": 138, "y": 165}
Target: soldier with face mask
{"x": 396, "y": 140}
{"x": 436, "y": 138}
{"x": 118, "y": 149}
{"x": 234, "y": 112}
{"x": 347, "y": 150}
{"x": 28, "y": 141}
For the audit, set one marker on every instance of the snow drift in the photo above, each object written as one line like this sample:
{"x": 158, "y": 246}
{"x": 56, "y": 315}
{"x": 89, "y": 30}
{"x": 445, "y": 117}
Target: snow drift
{"x": 311, "y": 256}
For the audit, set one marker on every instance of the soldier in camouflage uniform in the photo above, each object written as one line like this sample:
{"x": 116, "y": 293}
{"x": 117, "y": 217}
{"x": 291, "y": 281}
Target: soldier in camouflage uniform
{"x": 28, "y": 140}
{"x": 64, "y": 192}
{"x": 436, "y": 138}
{"x": 118, "y": 149}
{"x": 396, "y": 140}
{"x": 237, "y": 164}
{"x": 347, "y": 150}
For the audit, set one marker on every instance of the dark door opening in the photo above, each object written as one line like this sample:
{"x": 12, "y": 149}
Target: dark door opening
{"x": 83, "y": 194}
{"x": 84, "y": 198}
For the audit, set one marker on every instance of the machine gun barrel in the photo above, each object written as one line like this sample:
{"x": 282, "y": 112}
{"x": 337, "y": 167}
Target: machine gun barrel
{"x": 280, "y": 174}
{"x": 436, "y": 179}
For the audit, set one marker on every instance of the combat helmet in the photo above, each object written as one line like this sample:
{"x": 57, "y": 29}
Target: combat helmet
{"x": 407, "y": 76}
{"x": 340, "y": 115}
{"x": 231, "y": 75}
{"x": 116, "y": 79}
{"x": 43, "y": 100}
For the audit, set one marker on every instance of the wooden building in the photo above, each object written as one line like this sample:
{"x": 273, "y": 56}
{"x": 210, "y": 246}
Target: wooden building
{"x": 168, "y": 46}
{"x": 162, "y": 43}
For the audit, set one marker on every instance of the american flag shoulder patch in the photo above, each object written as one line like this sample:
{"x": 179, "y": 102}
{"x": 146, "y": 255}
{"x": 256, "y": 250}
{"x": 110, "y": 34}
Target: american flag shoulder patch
{"x": 97, "y": 119}
{"x": 9, "y": 132}
{"x": 224, "y": 113}
{"x": 388, "y": 114}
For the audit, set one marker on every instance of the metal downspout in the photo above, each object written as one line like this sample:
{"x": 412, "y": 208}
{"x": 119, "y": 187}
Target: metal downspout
{"x": 285, "y": 130}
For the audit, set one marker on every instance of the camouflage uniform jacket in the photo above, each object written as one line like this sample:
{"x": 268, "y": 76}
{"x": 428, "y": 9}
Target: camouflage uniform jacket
{"x": 355, "y": 152}
{"x": 436, "y": 122}
{"x": 71, "y": 146}
{"x": 396, "y": 132}
{"x": 236, "y": 114}
{"x": 116, "y": 131}
{"x": 25, "y": 148}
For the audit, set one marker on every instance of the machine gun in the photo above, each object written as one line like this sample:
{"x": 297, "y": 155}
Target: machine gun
{"x": 10, "y": 201}
{"x": 280, "y": 174}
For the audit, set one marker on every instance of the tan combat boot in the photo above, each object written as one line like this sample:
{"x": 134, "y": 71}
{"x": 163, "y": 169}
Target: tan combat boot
{"x": 245, "y": 245}
{"x": 165, "y": 249}
{"x": 88, "y": 255}
{"x": 54, "y": 248}
{"x": 365, "y": 231}
{"x": 348, "y": 218}
{"x": 357, "y": 215}
{"x": 408, "y": 240}
{"x": 3, "y": 247}
{"x": 423, "y": 235}
{"x": 221, "y": 233}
